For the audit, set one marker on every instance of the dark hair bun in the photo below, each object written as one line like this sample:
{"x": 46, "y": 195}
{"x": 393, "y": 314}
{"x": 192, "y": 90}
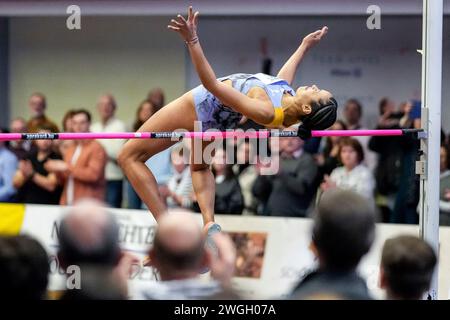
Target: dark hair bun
{"x": 322, "y": 117}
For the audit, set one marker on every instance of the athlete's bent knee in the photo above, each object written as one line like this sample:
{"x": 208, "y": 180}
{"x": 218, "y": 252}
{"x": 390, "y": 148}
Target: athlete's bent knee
{"x": 127, "y": 155}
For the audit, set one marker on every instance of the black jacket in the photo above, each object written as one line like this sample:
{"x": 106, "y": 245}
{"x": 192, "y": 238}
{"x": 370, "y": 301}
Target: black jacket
{"x": 290, "y": 192}
{"x": 391, "y": 153}
{"x": 346, "y": 285}
{"x": 229, "y": 199}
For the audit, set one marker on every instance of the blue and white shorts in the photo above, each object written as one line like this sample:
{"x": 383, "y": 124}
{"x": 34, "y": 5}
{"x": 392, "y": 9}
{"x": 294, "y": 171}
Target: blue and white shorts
{"x": 212, "y": 113}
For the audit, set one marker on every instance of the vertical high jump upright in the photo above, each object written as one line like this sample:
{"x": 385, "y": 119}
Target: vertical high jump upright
{"x": 431, "y": 123}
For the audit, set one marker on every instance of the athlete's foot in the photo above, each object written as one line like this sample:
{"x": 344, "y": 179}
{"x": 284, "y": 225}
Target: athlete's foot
{"x": 210, "y": 230}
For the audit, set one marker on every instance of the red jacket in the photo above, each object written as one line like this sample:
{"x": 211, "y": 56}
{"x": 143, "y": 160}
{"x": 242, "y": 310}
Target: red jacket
{"x": 88, "y": 172}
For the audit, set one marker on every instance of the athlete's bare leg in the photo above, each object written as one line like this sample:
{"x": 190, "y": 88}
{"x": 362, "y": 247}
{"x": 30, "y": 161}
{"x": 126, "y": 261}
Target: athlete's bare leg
{"x": 179, "y": 114}
{"x": 203, "y": 182}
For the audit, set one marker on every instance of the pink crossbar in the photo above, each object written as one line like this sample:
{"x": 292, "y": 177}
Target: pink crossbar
{"x": 202, "y": 135}
{"x": 356, "y": 133}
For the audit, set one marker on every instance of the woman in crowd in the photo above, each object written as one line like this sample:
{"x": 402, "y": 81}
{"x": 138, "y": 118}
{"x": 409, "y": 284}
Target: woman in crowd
{"x": 179, "y": 186}
{"x": 145, "y": 110}
{"x": 353, "y": 174}
{"x": 328, "y": 160}
{"x": 63, "y": 145}
{"x": 143, "y": 113}
{"x": 33, "y": 182}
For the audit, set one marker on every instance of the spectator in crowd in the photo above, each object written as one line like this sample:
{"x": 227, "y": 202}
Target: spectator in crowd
{"x": 159, "y": 164}
{"x": 343, "y": 232}
{"x": 407, "y": 266}
{"x": 8, "y": 167}
{"x": 353, "y": 112}
{"x": 328, "y": 160}
{"x": 444, "y": 156}
{"x": 143, "y": 113}
{"x": 38, "y": 105}
{"x": 444, "y": 203}
{"x": 179, "y": 187}
{"x": 89, "y": 238}
{"x": 107, "y": 108}
{"x": 290, "y": 191}
{"x": 408, "y": 194}
{"x": 388, "y": 170}
{"x": 67, "y": 122}
{"x": 33, "y": 182}
{"x": 228, "y": 199}
{"x": 245, "y": 170}
{"x": 353, "y": 175}
{"x": 411, "y": 113}
{"x": 24, "y": 269}
{"x": 63, "y": 145}
{"x": 21, "y": 148}
{"x": 82, "y": 172}
{"x": 389, "y": 117}
{"x": 179, "y": 253}
{"x": 157, "y": 98}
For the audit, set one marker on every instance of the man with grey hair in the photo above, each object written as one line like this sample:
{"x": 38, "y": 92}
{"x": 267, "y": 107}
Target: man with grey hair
{"x": 179, "y": 254}
{"x": 89, "y": 238}
{"x": 38, "y": 106}
{"x": 343, "y": 232}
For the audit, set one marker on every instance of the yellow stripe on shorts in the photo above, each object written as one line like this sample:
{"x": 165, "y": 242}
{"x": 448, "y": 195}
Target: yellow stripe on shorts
{"x": 11, "y": 218}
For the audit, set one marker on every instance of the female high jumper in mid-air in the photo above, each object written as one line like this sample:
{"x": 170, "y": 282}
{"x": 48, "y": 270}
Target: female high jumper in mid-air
{"x": 221, "y": 104}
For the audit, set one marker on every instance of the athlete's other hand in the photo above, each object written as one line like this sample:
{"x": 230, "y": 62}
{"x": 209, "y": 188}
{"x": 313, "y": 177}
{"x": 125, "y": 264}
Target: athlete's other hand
{"x": 223, "y": 265}
{"x": 186, "y": 28}
{"x": 314, "y": 38}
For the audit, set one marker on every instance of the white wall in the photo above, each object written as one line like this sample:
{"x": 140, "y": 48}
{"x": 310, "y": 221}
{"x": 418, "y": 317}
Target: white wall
{"x": 125, "y": 56}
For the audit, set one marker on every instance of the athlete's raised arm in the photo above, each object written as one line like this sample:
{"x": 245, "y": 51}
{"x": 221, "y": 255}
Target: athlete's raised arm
{"x": 259, "y": 111}
{"x": 287, "y": 72}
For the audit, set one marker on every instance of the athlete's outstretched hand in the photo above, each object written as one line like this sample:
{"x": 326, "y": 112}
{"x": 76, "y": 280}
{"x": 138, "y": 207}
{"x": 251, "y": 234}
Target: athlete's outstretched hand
{"x": 186, "y": 28}
{"x": 314, "y": 38}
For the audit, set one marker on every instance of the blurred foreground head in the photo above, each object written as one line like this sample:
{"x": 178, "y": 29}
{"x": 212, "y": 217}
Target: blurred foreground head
{"x": 407, "y": 266}
{"x": 344, "y": 229}
{"x": 24, "y": 268}
{"x": 98, "y": 283}
{"x": 178, "y": 250}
